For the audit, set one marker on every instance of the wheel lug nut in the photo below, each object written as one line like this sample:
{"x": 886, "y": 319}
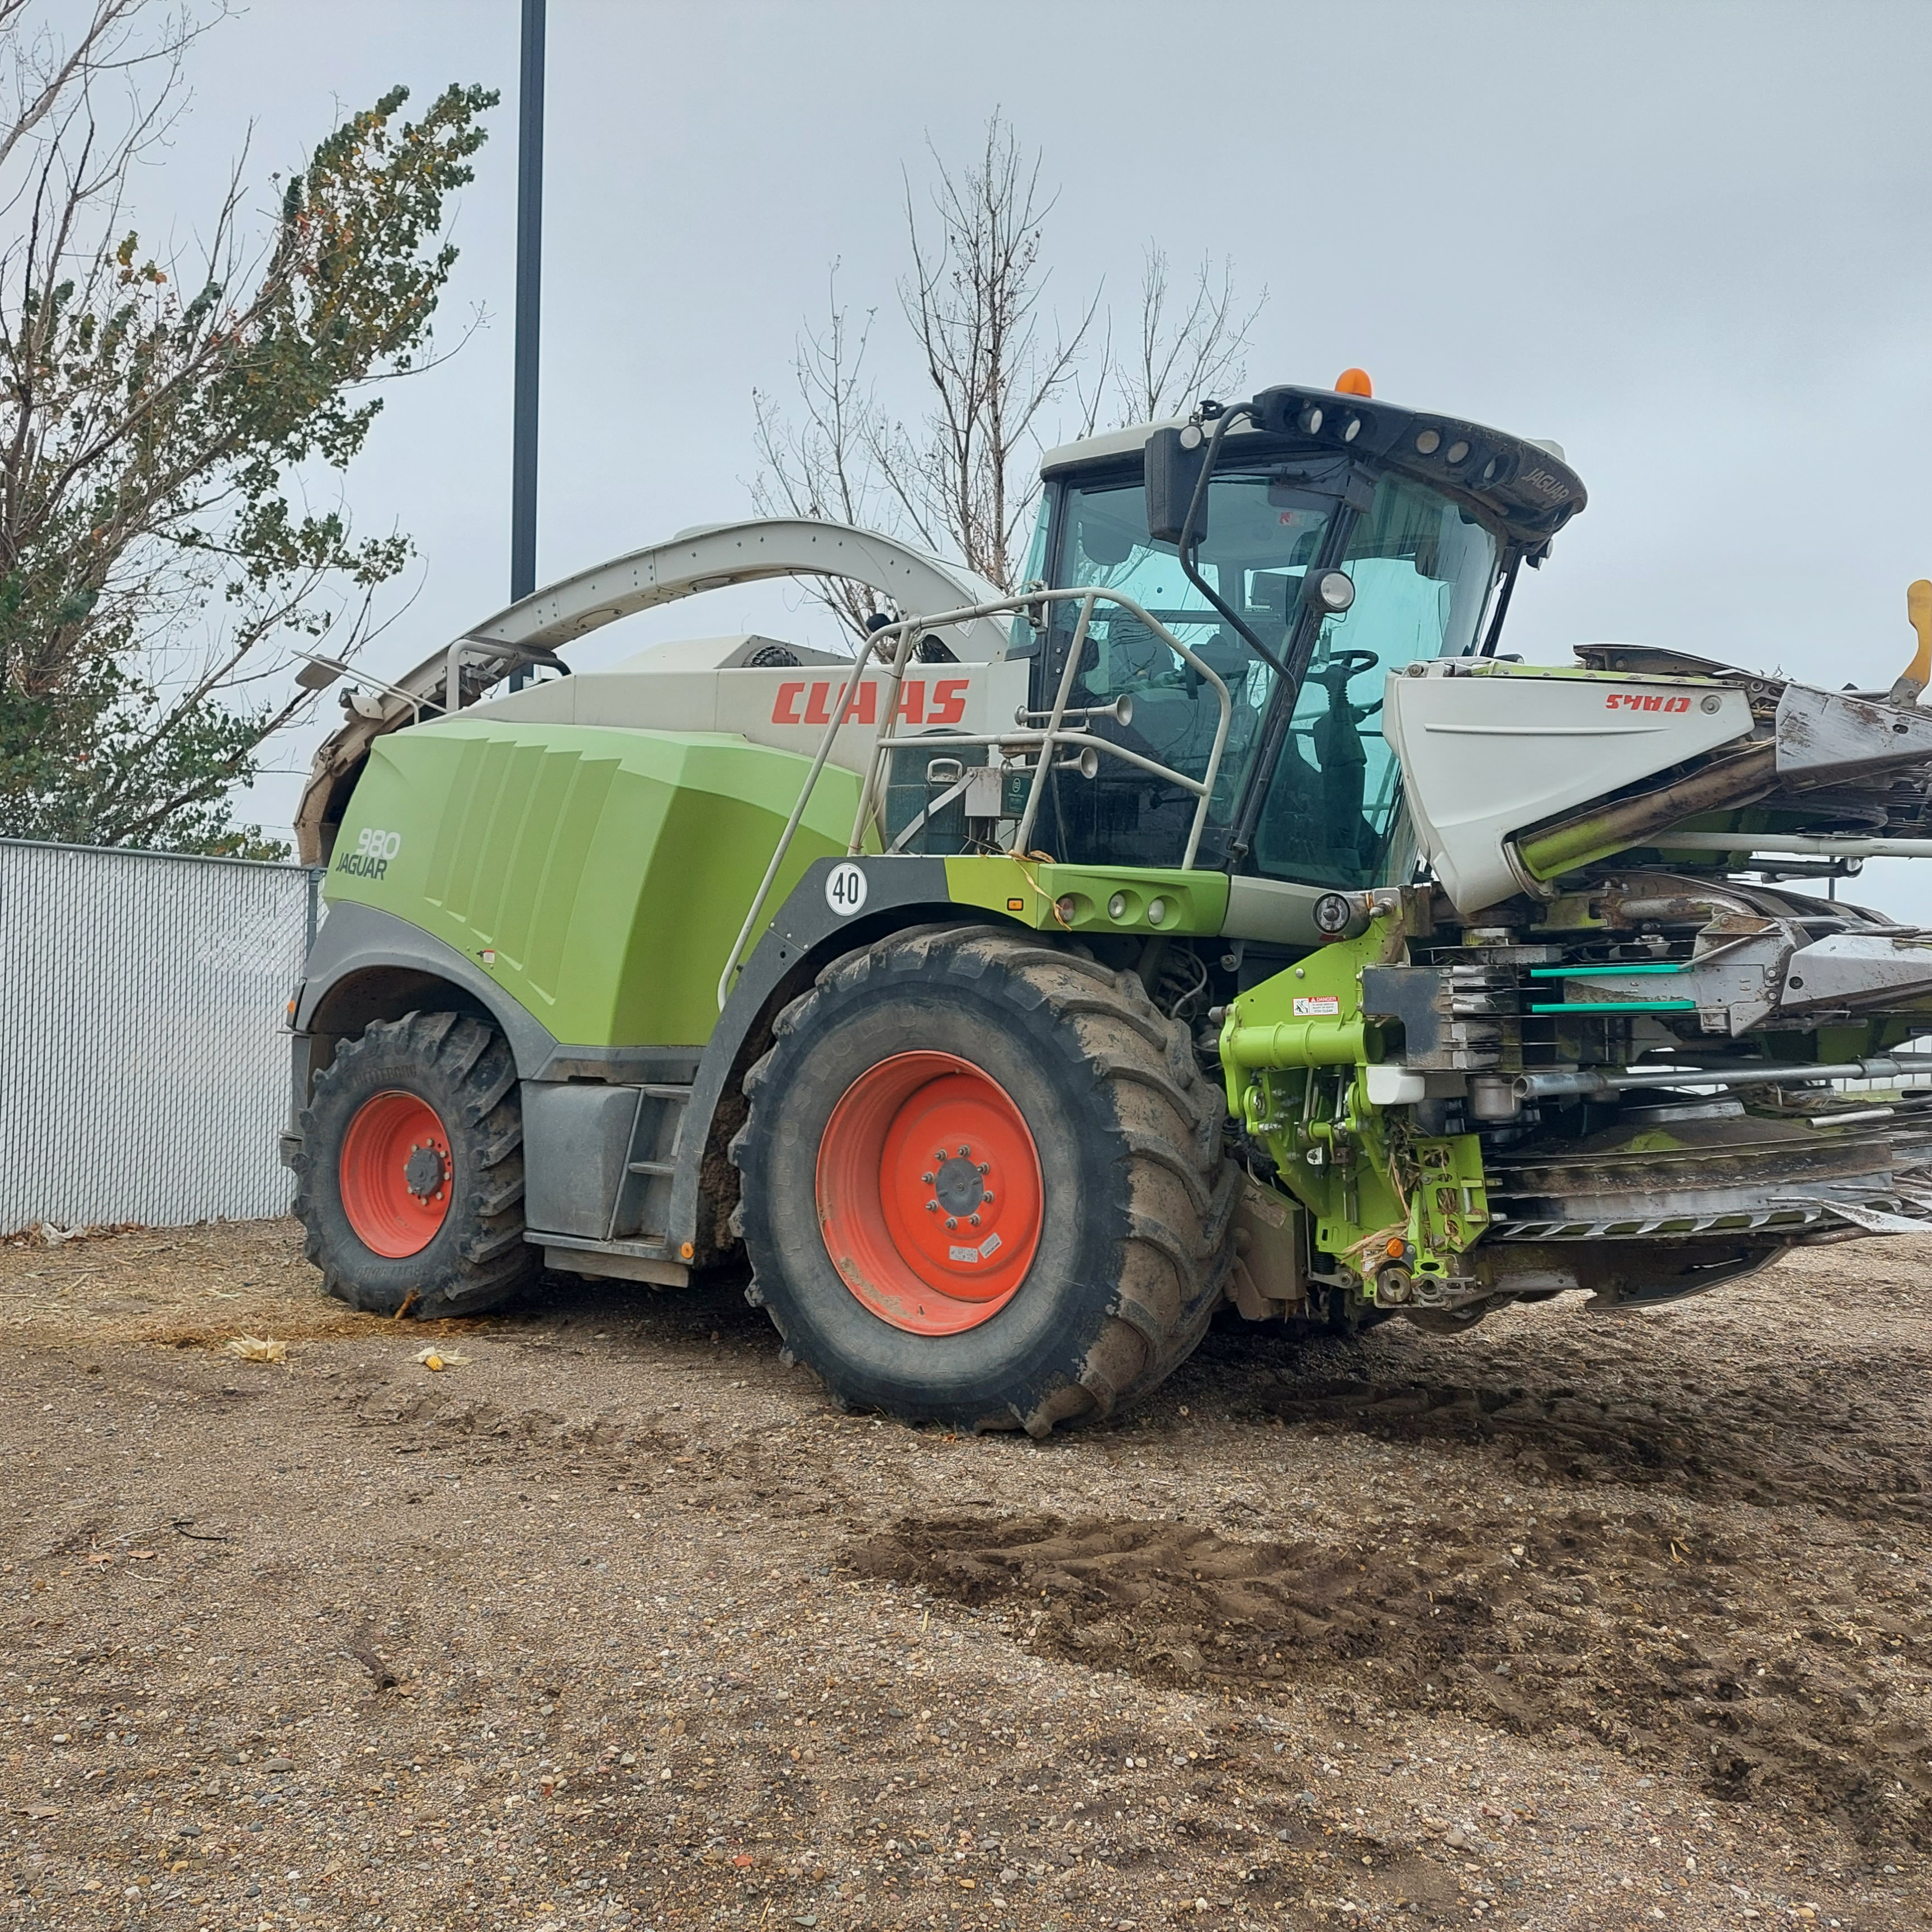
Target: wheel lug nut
{"x": 974, "y": 1219}
{"x": 965, "y": 1154}
{"x": 927, "y": 1179}
{"x": 932, "y": 1206}
{"x": 951, "y": 1220}
{"x": 987, "y": 1197}
{"x": 986, "y": 1167}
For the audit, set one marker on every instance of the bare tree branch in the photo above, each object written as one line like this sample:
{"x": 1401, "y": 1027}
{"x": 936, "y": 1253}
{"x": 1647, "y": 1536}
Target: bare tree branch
{"x": 823, "y": 466}
{"x": 957, "y": 474}
{"x": 973, "y": 300}
{"x": 1183, "y": 357}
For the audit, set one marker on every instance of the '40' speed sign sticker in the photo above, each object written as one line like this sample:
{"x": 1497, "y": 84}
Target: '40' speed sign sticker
{"x": 845, "y": 889}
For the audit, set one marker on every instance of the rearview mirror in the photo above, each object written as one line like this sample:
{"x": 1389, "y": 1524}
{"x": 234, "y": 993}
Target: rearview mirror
{"x": 1171, "y": 465}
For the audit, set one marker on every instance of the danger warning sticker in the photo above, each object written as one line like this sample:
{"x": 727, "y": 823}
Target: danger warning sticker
{"x": 1317, "y": 1006}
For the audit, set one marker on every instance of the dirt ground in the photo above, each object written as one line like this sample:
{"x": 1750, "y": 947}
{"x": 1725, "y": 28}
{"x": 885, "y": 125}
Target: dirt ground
{"x": 614, "y": 1621}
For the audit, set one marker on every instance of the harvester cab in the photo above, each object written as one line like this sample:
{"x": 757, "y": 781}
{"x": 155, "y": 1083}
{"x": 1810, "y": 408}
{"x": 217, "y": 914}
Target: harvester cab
{"x": 1213, "y": 922}
{"x": 1305, "y": 545}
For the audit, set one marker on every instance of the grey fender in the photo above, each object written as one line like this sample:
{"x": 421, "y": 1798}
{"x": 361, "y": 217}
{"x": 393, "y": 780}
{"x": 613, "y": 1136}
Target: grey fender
{"x": 356, "y": 940}
{"x": 363, "y": 956}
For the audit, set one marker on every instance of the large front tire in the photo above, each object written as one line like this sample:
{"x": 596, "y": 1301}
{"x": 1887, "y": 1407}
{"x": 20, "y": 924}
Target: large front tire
{"x": 938, "y": 1076}
{"x": 409, "y": 1184}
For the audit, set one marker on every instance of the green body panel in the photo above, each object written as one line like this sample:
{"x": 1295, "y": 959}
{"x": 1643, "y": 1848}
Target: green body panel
{"x": 598, "y": 876}
{"x": 1374, "y": 1191}
{"x": 1076, "y": 898}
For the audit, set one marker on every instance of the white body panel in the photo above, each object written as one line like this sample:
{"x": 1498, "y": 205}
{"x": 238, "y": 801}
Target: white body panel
{"x": 1487, "y": 750}
{"x": 787, "y": 707}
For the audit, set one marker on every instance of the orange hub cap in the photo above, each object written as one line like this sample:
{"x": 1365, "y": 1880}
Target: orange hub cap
{"x": 929, "y": 1193}
{"x": 395, "y": 1175}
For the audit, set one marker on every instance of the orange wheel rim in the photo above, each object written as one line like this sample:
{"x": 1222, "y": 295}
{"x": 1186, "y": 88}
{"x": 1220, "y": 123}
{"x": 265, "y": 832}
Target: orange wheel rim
{"x": 395, "y": 1175}
{"x": 929, "y": 1193}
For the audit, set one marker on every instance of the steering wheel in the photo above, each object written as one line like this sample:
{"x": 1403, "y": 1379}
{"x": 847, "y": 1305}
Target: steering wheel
{"x": 1346, "y": 666}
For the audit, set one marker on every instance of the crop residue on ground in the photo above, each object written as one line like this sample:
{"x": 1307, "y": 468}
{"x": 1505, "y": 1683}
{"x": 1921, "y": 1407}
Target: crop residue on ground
{"x": 613, "y": 1621}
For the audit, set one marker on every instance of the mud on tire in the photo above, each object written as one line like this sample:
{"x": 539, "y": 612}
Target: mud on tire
{"x": 462, "y": 1068}
{"x": 1136, "y": 1231}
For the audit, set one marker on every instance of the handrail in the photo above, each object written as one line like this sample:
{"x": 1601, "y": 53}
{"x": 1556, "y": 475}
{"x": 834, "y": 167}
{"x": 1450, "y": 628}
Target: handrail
{"x": 902, "y": 635}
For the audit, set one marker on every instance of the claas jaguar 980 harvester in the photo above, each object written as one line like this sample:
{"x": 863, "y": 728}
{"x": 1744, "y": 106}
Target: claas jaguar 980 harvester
{"x": 1217, "y": 923}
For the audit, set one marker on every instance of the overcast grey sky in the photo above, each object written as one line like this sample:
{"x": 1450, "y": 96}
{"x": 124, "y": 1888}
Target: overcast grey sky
{"x": 1689, "y": 242}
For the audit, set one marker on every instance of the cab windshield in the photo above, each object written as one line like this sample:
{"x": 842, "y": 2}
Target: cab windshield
{"x": 1422, "y": 574}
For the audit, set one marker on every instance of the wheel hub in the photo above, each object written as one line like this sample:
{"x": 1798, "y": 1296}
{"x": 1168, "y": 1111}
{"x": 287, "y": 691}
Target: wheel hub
{"x": 424, "y": 1171}
{"x": 957, "y": 1186}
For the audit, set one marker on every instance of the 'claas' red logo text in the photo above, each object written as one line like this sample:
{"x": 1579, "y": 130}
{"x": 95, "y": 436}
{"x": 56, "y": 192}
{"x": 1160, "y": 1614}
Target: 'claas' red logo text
{"x": 1644, "y": 700}
{"x": 948, "y": 702}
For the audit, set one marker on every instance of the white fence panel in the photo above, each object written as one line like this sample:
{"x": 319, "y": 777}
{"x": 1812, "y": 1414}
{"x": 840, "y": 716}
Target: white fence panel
{"x": 143, "y": 1061}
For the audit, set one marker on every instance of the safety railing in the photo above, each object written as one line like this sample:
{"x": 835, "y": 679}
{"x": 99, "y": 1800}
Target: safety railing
{"x": 1036, "y": 736}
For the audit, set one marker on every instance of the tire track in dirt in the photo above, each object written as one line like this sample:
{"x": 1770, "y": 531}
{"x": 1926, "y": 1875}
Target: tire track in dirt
{"x": 1696, "y": 1658}
{"x": 1861, "y": 1459}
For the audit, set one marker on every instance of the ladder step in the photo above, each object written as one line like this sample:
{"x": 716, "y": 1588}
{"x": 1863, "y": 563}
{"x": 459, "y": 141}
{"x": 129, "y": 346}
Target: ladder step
{"x": 653, "y": 1167}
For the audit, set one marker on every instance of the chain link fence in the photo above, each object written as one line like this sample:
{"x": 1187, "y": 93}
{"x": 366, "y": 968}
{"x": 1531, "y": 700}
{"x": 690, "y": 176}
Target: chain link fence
{"x": 143, "y": 1061}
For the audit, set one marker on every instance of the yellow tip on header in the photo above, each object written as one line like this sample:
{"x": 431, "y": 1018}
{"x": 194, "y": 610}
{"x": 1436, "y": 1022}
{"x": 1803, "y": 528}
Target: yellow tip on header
{"x": 1354, "y": 382}
{"x": 1918, "y": 673}
{"x": 1919, "y": 612}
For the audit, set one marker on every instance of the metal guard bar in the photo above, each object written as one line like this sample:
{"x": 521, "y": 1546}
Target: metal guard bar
{"x": 902, "y": 636}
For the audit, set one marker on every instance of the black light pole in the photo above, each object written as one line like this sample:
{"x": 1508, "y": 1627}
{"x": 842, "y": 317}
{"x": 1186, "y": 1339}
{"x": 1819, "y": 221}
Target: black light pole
{"x": 529, "y": 291}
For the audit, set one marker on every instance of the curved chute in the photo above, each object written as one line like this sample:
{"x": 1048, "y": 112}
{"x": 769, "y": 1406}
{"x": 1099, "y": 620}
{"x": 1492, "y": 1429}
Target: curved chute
{"x": 694, "y": 561}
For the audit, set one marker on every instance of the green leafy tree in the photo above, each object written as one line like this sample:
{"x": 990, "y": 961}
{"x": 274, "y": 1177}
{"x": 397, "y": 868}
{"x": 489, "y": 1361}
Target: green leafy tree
{"x": 166, "y": 426}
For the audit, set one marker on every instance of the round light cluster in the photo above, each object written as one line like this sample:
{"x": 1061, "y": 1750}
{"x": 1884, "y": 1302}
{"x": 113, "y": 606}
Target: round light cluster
{"x": 1333, "y": 591}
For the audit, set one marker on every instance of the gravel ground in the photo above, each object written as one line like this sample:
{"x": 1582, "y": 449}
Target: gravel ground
{"x": 613, "y": 1621}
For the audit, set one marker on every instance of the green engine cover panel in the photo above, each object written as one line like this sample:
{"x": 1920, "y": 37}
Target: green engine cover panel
{"x": 598, "y": 876}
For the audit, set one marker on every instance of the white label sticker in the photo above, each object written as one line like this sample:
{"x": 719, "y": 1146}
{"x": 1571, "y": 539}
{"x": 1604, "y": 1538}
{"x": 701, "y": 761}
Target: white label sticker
{"x": 845, "y": 889}
{"x": 987, "y": 1246}
{"x": 1314, "y": 1006}
{"x": 956, "y": 1253}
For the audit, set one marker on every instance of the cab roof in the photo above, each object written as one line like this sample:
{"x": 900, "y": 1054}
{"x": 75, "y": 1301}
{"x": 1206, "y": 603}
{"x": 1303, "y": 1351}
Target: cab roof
{"x": 1525, "y": 487}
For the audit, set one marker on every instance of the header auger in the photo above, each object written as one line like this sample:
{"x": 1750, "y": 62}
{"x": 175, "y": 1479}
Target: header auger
{"x": 1217, "y": 921}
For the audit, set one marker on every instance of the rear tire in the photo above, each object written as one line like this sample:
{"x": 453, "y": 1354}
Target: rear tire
{"x": 1081, "y": 1096}
{"x": 410, "y": 1179}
